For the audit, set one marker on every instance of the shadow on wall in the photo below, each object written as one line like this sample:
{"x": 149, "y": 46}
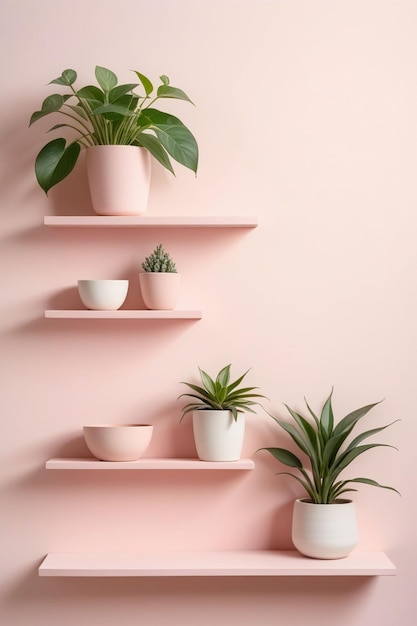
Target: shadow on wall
{"x": 31, "y": 599}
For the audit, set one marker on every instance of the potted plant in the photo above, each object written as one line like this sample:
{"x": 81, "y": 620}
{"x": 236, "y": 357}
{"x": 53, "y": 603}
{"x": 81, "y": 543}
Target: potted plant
{"x": 218, "y": 408}
{"x": 160, "y": 281}
{"x": 109, "y": 114}
{"x": 324, "y": 523}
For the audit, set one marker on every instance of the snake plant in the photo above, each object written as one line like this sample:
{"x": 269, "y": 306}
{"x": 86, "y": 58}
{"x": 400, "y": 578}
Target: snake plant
{"x": 325, "y": 445}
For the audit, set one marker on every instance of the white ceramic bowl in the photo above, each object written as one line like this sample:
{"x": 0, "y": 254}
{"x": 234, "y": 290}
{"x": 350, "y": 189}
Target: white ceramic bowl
{"x": 103, "y": 295}
{"x": 114, "y": 442}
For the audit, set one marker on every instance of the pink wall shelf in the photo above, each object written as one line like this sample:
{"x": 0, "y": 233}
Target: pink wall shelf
{"x": 151, "y": 222}
{"x": 148, "y": 464}
{"x": 235, "y": 563}
{"x": 124, "y": 314}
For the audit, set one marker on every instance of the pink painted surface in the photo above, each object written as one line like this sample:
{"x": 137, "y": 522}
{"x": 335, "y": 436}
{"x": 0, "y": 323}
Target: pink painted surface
{"x": 226, "y": 563}
{"x": 305, "y": 116}
{"x": 146, "y": 221}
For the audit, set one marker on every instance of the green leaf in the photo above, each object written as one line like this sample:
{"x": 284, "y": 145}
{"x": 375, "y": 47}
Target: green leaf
{"x": 146, "y": 83}
{"x": 246, "y": 392}
{"x": 166, "y": 91}
{"x": 67, "y": 78}
{"x": 373, "y": 483}
{"x": 208, "y": 382}
{"x": 164, "y": 79}
{"x": 78, "y": 110}
{"x": 348, "y": 456}
{"x": 223, "y": 376}
{"x": 326, "y": 418}
{"x": 152, "y": 144}
{"x": 105, "y": 78}
{"x": 159, "y": 118}
{"x": 367, "y": 434}
{"x": 313, "y": 415}
{"x": 221, "y": 393}
{"x": 237, "y": 382}
{"x": 91, "y": 93}
{"x": 107, "y": 109}
{"x": 331, "y": 448}
{"x": 306, "y": 428}
{"x": 347, "y": 423}
{"x": 120, "y": 90}
{"x": 54, "y": 162}
{"x": 197, "y": 389}
{"x": 51, "y": 104}
{"x": 285, "y": 456}
{"x": 297, "y": 437}
{"x": 179, "y": 143}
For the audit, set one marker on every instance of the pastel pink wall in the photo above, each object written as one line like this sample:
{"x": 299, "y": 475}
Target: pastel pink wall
{"x": 305, "y": 117}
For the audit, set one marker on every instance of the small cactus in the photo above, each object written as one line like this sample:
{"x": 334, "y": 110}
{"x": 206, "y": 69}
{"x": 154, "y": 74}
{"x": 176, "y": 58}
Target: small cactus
{"x": 159, "y": 261}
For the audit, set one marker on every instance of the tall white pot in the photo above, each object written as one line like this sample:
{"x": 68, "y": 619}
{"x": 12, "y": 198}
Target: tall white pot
{"x": 217, "y": 435}
{"x": 119, "y": 178}
{"x": 324, "y": 531}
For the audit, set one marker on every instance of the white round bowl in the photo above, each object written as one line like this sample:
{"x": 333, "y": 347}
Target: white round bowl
{"x": 103, "y": 295}
{"x": 113, "y": 442}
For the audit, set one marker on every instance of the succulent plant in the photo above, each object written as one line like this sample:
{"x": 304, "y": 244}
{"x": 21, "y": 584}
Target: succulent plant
{"x": 322, "y": 441}
{"x": 159, "y": 261}
{"x": 220, "y": 394}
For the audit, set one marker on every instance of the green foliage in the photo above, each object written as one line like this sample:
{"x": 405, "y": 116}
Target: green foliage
{"x": 220, "y": 394}
{"x": 159, "y": 261}
{"x": 328, "y": 452}
{"x": 110, "y": 114}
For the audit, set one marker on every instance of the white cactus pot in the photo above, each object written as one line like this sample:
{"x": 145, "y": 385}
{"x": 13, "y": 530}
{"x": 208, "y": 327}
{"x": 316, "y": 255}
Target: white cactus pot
{"x": 217, "y": 435}
{"x": 324, "y": 531}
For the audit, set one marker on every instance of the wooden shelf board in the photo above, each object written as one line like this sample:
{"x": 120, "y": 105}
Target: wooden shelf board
{"x": 175, "y": 314}
{"x": 235, "y": 563}
{"x": 162, "y": 221}
{"x": 148, "y": 464}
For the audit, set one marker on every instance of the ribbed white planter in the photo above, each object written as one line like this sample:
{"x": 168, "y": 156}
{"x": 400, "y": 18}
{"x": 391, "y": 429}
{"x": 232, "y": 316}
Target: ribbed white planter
{"x": 324, "y": 531}
{"x": 119, "y": 178}
{"x": 217, "y": 435}
{"x": 160, "y": 290}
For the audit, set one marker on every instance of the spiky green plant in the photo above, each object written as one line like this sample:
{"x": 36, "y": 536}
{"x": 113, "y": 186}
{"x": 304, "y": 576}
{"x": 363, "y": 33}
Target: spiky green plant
{"x": 112, "y": 114}
{"x": 324, "y": 443}
{"x": 159, "y": 261}
{"x": 220, "y": 394}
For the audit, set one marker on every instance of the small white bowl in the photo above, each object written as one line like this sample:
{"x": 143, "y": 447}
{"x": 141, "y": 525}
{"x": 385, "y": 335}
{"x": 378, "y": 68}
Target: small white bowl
{"x": 113, "y": 442}
{"x": 103, "y": 295}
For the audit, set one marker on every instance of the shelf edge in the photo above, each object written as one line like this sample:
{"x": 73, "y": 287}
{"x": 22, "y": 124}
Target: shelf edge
{"x": 139, "y": 314}
{"x": 223, "y": 563}
{"x": 112, "y": 221}
{"x": 148, "y": 463}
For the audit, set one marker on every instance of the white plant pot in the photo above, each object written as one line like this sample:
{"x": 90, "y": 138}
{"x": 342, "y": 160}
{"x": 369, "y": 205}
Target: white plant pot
{"x": 324, "y": 531}
{"x": 119, "y": 179}
{"x": 217, "y": 435}
{"x": 103, "y": 295}
{"x": 160, "y": 290}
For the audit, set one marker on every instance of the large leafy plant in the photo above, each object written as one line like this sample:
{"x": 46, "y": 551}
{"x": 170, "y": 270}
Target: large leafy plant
{"x": 220, "y": 394}
{"x": 325, "y": 444}
{"x": 108, "y": 114}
